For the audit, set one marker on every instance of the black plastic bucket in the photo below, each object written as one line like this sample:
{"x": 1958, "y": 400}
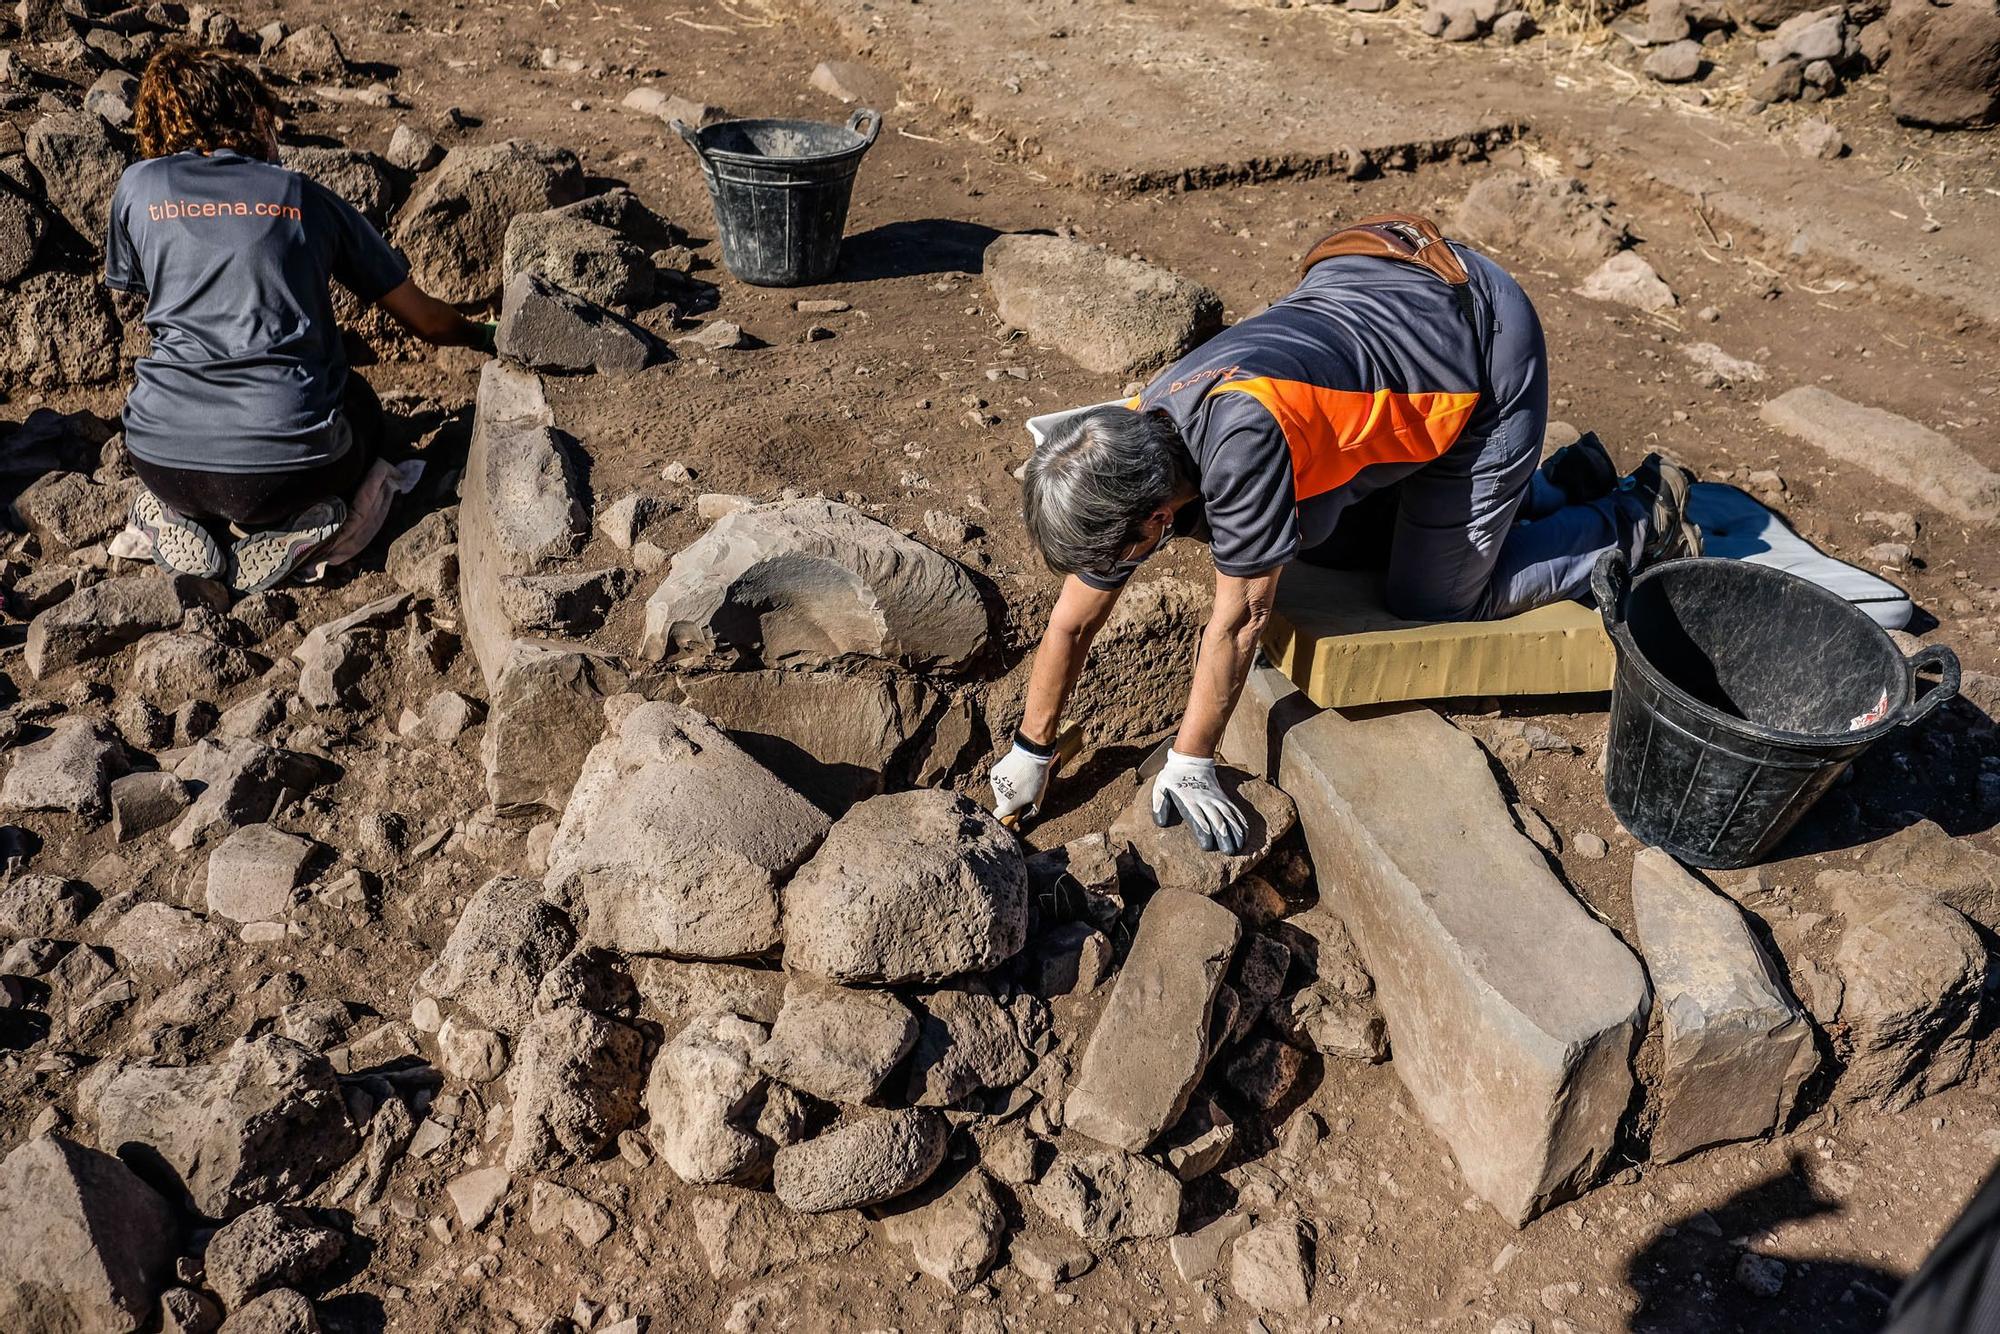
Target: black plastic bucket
{"x": 780, "y": 189}
{"x": 1742, "y": 693}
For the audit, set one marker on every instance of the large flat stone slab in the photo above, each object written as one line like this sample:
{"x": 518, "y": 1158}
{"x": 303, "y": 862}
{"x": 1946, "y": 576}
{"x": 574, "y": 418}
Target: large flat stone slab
{"x": 1735, "y": 1047}
{"x": 1156, "y": 95}
{"x": 1512, "y": 1011}
{"x": 1901, "y": 452}
{"x": 1107, "y": 313}
{"x": 1150, "y": 1045}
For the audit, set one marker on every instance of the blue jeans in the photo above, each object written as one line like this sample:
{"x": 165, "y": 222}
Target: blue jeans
{"x": 1479, "y": 533}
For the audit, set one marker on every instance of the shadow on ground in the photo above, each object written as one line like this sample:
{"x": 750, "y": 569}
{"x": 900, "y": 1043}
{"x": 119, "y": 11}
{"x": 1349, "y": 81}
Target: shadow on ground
{"x": 1688, "y": 1280}
{"x": 920, "y": 246}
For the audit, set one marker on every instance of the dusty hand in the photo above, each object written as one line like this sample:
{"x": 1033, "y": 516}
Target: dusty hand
{"x": 1188, "y": 788}
{"x": 1019, "y": 780}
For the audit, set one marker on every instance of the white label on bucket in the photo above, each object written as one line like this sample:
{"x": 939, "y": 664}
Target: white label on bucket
{"x": 1873, "y": 716}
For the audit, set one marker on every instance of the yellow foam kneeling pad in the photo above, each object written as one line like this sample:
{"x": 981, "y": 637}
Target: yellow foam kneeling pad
{"x": 1333, "y": 637}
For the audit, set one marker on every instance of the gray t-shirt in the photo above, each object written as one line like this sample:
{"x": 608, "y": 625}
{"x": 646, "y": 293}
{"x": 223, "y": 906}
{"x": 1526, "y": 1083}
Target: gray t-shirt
{"x": 233, "y": 255}
{"x": 1364, "y": 373}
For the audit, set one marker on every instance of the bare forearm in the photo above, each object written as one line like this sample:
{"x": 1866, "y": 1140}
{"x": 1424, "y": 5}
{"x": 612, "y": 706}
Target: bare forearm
{"x": 1219, "y": 673}
{"x": 1079, "y": 613}
{"x": 1228, "y": 647}
{"x": 431, "y": 319}
{"x": 1058, "y": 662}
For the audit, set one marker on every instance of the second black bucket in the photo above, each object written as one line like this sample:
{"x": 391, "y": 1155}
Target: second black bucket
{"x": 1742, "y": 693}
{"x": 780, "y": 190}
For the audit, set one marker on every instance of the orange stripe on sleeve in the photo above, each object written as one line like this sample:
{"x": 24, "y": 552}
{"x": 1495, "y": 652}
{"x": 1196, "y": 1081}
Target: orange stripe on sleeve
{"x": 1335, "y": 433}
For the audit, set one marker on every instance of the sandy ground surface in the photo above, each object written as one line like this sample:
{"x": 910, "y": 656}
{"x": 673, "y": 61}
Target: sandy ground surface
{"x": 915, "y": 403}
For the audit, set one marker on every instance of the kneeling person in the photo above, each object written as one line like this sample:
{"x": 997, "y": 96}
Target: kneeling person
{"x": 244, "y": 411}
{"x": 1391, "y": 406}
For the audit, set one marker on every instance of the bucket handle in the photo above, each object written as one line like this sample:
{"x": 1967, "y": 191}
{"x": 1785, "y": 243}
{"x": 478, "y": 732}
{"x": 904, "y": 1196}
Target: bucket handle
{"x": 1946, "y": 662}
{"x": 687, "y": 132}
{"x": 1610, "y": 580}
{"x": 872, "y": 118}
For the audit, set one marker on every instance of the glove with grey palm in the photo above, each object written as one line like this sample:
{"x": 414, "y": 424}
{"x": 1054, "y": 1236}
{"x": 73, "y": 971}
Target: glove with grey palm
{"x": 1189, "y": 789}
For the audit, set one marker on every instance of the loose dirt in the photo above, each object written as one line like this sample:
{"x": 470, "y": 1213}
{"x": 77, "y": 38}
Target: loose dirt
{"x": 915, "y": 403}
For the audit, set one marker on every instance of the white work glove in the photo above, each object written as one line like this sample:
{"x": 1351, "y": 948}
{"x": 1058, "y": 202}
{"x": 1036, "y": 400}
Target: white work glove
{"x": 1019, "y": 780}
{"x": 1189, "y": 789}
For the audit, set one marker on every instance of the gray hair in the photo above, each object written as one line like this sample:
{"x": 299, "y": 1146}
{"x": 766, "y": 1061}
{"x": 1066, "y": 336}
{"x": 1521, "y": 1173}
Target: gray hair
{"x": 1093, "y": 481}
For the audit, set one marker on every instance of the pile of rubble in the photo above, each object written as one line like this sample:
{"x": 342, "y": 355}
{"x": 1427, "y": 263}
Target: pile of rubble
{"x": 79, "y": 77}
{"x": 473, "y": 219}
{"x": 933, "y": 1032}
{"x": 1942, "y": 59}
{"x": 1939, "y": 58}
{"x": 681, "y": 903}
{"x": 999, "y": 1058}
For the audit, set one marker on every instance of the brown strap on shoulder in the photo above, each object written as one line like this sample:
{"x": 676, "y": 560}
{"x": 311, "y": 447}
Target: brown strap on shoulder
{"x": 1400, "y": 236}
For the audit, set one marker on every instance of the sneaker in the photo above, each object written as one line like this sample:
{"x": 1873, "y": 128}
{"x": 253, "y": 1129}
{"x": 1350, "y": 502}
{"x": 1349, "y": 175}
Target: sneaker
{"x": 261, "y": 560}
{"x": 1663, "y": 487}
{"x": 179, "y": 544}
{"x": 1582, "y": 471}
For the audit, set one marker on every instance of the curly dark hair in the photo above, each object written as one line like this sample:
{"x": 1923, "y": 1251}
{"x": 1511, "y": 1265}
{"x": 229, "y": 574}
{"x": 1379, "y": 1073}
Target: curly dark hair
{"x": 194, "y": 98}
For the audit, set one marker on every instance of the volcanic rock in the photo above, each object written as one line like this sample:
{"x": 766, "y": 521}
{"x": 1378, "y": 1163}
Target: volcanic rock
{"x": 910, "y": 886}
{"x": 806, "y": 583}
{"x": 454, "y": 226}
{"x": 506, "y": 941}
{"x": 1170, "y": 856}
{"x": 88, "y": 1246}
{"x": 702, "y": 1098}
{"x": 956, "y": 1237}
{"x": 269, "y": 1246}
{"x": 1944, "y": 63}
{"x": 1109, "y": 1197}
{"x": 676, "y": 842}
{"x": 575, "y": 1081}
{"x": 69, "y": 770}
{"x": 264, "y": 1124}
{"x": 105, "y": 617}
{"x": 80, "y": 164}
{"x": 578, "y": 256}
{"x": 1111, "y": 315}
{"x": 1911, "y": 970}
{"x": 877, "y": 1157}
{"x": 836, "y": 1043}
{"x": 550, "y": 328}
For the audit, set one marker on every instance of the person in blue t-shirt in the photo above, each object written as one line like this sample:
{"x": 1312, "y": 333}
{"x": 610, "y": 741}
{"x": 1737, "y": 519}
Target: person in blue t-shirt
{"x": 244, "y": 412}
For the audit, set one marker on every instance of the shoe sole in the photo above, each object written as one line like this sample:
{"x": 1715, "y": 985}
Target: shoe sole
{"x": 178, "y": 544}
{"x": 262, "y": 560}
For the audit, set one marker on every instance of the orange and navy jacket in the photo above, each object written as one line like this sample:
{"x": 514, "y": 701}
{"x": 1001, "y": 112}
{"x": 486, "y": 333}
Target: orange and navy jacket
{"x": 1364, "y": 372}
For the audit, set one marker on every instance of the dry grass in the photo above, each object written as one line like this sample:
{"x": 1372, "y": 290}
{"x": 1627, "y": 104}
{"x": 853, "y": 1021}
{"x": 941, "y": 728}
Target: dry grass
{"x": 1584, "y": 19}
